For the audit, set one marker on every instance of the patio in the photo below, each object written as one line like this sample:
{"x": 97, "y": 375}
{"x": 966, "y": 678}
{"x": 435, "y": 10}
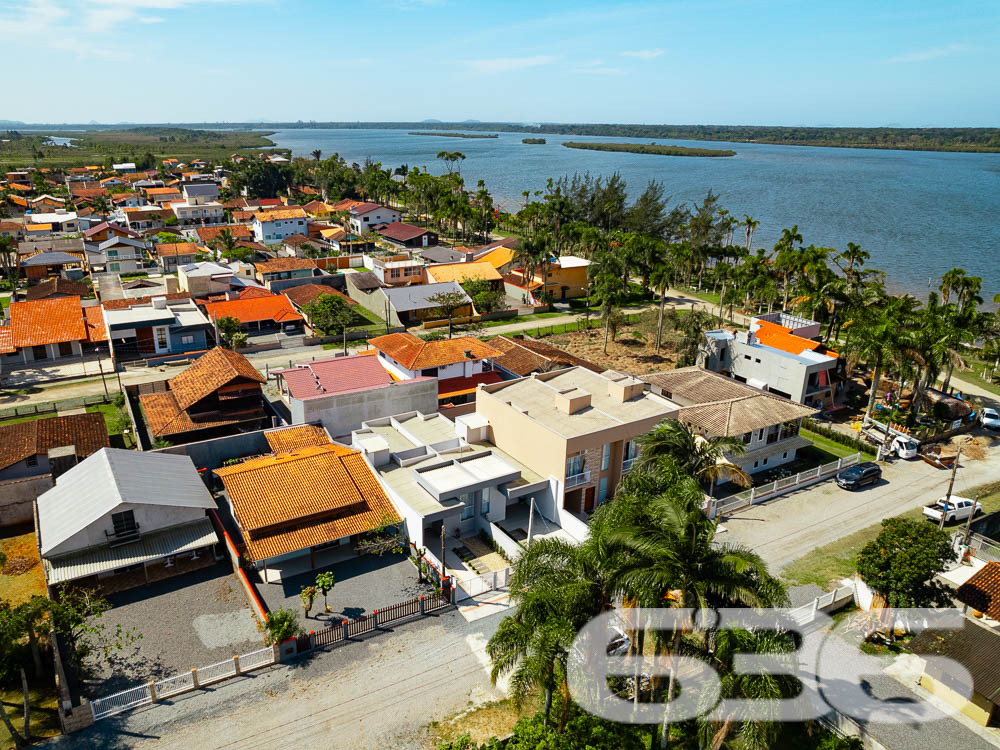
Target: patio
{"x": 515, "y": 525}
{"x": 362, "y": 584}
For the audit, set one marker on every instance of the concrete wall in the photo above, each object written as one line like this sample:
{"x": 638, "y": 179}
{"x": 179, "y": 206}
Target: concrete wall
{"x": 522, "y": 437}
{"x": 149, "y": 517}
{"x": 21, "y": 470}
{"x": 344, "y": 412}
{"x": 335, "y": 280}
{"x": 211, "y": 454}
{"x": 977, "y": 708}
{"x": 17, "y": 498}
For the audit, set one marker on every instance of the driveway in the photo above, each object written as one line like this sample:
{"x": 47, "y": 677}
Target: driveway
{"x": 362, "y": 584}
{"x": 193, "y": 620}
{"x": 786, "y": 528}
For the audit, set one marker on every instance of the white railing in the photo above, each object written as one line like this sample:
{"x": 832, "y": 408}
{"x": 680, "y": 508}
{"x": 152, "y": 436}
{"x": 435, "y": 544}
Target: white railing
{"x": 126, "y": 699}
{"x": 495, "y": 580}
{"x": 217, "y": 671}
{"x": 807, "y": 613}
{"x": 982, "y": 548}
{"x": 779, "y": 487}
{"x": 627, "y": 465}
{"x": 179, "y": 683}
{"x": 575, "y": 480}
{"x": 254, "y": 659}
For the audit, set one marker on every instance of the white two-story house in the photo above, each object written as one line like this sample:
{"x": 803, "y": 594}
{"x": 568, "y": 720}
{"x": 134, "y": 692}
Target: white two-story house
{"x": 365, "y": 216}
{"x": 272, "y": 226}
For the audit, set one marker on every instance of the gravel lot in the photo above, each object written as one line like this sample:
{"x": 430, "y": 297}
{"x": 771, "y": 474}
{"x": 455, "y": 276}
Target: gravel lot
{"x": 194, "y": 620}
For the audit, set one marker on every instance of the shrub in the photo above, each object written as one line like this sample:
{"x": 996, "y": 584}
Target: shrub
{"x": 281, "y": 625}
{"x": 839, "y": 437}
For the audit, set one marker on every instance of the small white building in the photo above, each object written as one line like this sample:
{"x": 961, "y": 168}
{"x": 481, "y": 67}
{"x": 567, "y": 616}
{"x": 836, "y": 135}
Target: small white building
{"x": 124, "y": 167}
{"x": 365, "y": 216}
{"x": 272, "y": 226}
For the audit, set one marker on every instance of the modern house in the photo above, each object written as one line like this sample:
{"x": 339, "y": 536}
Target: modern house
{"x": 343, "y": 392}
{"x": 59, "y": 220}
{"x": 398, "y": 270}
{"x": 271, "y": 226}
{"x": 104, "y": 230}
{"x": 407, "y": 235}
{"x": 459, "y": 364}
{"x": 238, "y": 231}
{"x": 25, "y": 447}
{"x": 155, "y": 326}
{"x": 522, "y": 356}
{"x": 778, "y": 353}
{"x": 574, "y": 425}
{"x": 279, "y": 269}
{"x": 218, "y": 394}
{"x": 122, "y": 519}
{"x": 717, "y": 406}
{"x": 200, "y": 205}
{"x": 202, "y": 279}
{"x": 145, "y": 217}
{"x": 117, "y": 254}
{"x": 290, "y": 505}
{"x": 364, "y": 217}
{"x": 258, "y": 315}
{"x": 564, "y": 277}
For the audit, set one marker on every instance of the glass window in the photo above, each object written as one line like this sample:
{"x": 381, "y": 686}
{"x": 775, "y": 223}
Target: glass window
{"x": 161, "y": 338}
{"x": 602, "y": 490}
{"x": 605, "y": 456}
{"x": 468, "y": 512}
{"x": 574, "y": 465}
{"x": 124, "y": 522}
{"x": 484, "y": 507}
{"x": 187, "y": 339}
{"x": 631, "y": 450}
{"x": 31, "y": 460}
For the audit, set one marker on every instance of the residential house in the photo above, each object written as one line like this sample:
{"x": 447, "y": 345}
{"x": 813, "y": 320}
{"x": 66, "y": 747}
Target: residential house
{"x": 117, "y": 254}
{"x": 25, "y": 446}
{"x": 123, "y": 519}
{"x": 152, "y": 326}
{"x": 442, "y": 254}
{"x": 162, "y": 196}
{"x": 199, "y": 206}
{"x": 279, "y": 269}
{"x": 522, "y": 356}
{"x": 80, "y": 191}
{"x": 407, "y": 235}
{"x": 260, "y": 314}
{"x": 106, "y": 230}
{"x": 717, "y": 406}
{"x": 238, "y": 231}
{"x": 774, "y": 355}
{"x": 564, "y": 277}
{"x": 298, "y": 246}
{"x": 124, "y": 167}
{"x": 404, "y": 306}
{"x": 502, "y": 254}
{"x": 218, "y": 394}
{"x": 463, "y": 272}
{"x": 319, "y": 210}
{"x": 364, "y": 217}
{"x": 126, "y": 200}
{"x": 51, "y": 264}
{"x": 300, "y": 296}
{"x": 398, "y": 270}
{"x": 271, "y": 226}
{"x": 170, "y": 255}
{"x": 292, "y": 504}
{"x": 47, "y": 203}
{"x": 57, "y": 288}
{"x": 460, "y": 364}
{"x": 59, "y": 220}
{"x": 12, "y": 229}
{"x": 204, "y": 279}
{"x": 343, "y": 392}
{"x": 576, "y": 426}
{"x": 145, "y": 217}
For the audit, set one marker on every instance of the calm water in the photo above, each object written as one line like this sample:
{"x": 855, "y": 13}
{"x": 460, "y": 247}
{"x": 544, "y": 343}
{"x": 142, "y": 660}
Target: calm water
{"x": 917, "y": 213}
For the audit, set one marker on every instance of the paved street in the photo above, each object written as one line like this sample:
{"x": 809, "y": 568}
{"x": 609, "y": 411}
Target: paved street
{"x": 377, "y": 693}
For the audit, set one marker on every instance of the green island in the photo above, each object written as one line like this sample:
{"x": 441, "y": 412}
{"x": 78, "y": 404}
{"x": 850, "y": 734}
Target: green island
{"x": 650, "y": 148}
{"x": 456, "y": 135}
{"x": 104, "y": 147}
{"x": 533, "y": 141}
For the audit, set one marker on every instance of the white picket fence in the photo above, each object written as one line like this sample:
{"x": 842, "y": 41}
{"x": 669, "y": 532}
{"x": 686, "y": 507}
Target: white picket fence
{"x": 742, "y": 500}
{"x": 151, "y": 692}
{"x": 807, "y": 612}
{"x": 496, "y": 580}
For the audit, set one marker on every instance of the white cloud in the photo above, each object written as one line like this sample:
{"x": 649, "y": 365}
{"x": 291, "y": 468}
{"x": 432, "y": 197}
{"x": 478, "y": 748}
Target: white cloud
{"x": 150, "y": 19}
{"x": 507, "y": 64}
{"x": 643, "y": 54}
{"x": 597, "y": 68}
{"x": 932, "y": 53}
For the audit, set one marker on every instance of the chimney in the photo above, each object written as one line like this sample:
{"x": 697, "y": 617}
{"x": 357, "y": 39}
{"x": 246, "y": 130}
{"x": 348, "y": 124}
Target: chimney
{"x": 470, "y": 257}
{"x": 61, "y": 460}
{"x": 171, "y": 284}
{"x": 468, "y": 354}
{"x": 625, "y": 389}
{"x": 572, "y": 400}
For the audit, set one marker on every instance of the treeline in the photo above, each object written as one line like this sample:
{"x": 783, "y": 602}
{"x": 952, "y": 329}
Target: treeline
{"x": 533, "y": 141}
{"x": 456, "y": 135}
{"x": 650, "y": 148}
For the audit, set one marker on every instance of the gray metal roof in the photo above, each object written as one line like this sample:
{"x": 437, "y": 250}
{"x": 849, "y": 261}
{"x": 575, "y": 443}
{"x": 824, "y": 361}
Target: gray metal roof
{"x": 201, "y": 189}
{"x": 170, "y": 541}
{"x": 49, "y": 258}
{"x": 107, "y": 479}
{"x": 441, "y": 255}
{"x": 406, "y": 298}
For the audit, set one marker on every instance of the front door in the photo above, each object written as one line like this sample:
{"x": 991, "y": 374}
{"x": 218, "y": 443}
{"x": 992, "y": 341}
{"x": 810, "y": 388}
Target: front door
{"x": 588, "y": 501}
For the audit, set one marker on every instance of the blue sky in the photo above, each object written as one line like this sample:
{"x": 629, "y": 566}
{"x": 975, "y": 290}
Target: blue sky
{"x": 697, "y": 61}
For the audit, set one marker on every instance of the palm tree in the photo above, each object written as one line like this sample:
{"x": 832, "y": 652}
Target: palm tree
{"x": 787, "y": 258}
{"x": 531, "y": 253}
{"x": 316, "y": 154}
{"x": 705, "y": 458}
{"x": 609, "y": 285}
{"x": 750, "y": 225}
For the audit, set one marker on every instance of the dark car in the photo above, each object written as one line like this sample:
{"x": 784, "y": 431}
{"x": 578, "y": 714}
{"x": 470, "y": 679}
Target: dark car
{"x": 857, "y": 476}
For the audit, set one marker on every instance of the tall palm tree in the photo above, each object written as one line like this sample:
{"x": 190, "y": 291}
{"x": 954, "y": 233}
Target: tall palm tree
{"x": 316, "y": 153}
{"x": 705, "y": 458}
{"x": 750, "y": 225}
{"x": 609, "y": 285}
{"x": 787, "y": 258}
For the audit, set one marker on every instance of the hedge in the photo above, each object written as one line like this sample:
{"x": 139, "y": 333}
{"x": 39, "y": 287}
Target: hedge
{"x": 838, "y": 437}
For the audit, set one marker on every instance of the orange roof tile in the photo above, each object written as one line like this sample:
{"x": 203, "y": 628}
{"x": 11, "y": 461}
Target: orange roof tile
{"x": 414, "y": 353}
{"x": 306, "y": 293}
{"x": 982, "y": 590}
{"x": 93, "y": 319}
{"x": 779, "y": 337}
{"x": 173, "y": 249}
{"x": 208, "y": 373}
{"x": 296, "y": 500}
{"x": 279, "y": 265}
{"x": 275, "y": 214}
{"x": 293, "y": 438}
{"x": 276, "y": 308}
{"x": 165, "y": 418}
{"x": 254, "y": 292}
{"x": 6, "y": 340}
{"x": 86, "y": 432}
{"x": 47, "y": 321}
{"x": 239, "y": 231}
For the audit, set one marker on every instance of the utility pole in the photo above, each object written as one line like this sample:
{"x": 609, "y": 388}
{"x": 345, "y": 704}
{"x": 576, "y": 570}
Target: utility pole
{"x": 444, "y": 567}
{"x": 968, "y": 522}
{"x": 951, "y": 486}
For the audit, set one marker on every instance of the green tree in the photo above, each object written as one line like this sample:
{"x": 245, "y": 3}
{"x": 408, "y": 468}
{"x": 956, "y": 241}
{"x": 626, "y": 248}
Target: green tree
{"x": 329, "y": 313}
{"x": 280, "y": 625}
{"x": 76, "y": 616}
{"x": 485, "y": 297}
{"x": 706, "y": 459}
{"x": 308, "y": 596}
{"x": 260, "y": 178}
{"x": 230, "y": 330}
{"x": 449, "y": 303}
{"x": 609, "y": 285}
{"x": 325, "y": 582}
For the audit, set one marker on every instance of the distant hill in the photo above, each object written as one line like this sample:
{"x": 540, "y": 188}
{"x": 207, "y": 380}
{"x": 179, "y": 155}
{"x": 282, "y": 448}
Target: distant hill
{"x": 11, "y": 123}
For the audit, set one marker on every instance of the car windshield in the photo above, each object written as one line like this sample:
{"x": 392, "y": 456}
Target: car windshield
{"x": 852, "y": 473}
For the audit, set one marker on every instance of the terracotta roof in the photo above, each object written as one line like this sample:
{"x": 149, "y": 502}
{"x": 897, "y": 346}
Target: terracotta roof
{"x": 779, "y": 337}
{"x": 57, "y": 286}
{"x": 294, "y": 240}
{"x": 173, "y": 249}
{"x": 365, "y": 281}
{"x": 85, "y": 431}
{"x": 164, "y": 417}
{"x": 293, "y": 438}
{"x": 276, "y": 214}
{"x": 114, "y": 228}
{"x": 244, "y": 215}
{"x": 6, "y": 340}
{"x": 982, "y": 590}
{"x": 93, "y": 319}
{"x": 345, "y": 205}
{"x": 402, "y": 232}
{"x": 87, "y": 192}
{"x": 523, "y": 356}
{"x": 276, "y": 308}
{"x": 317, "y": 207}
{"x": 303, "y": 295}
{"x": 450, "y": 387}
{"x": 47, "y": 321}
{"x": 414, "y": 353}
{"x": 462, "y": 272}
{"x": 254, "y": 292}
{"x": 127, "y": 302}
{"x": 359, "y": 209}
{"x": 160, "y": 191}
{"x": 239, "y": 231}
{"x": 325, "y": 377}
{"x": 278, "y": 265}
{"x": 208, "y": 373}
{"x": 296, "y": 500}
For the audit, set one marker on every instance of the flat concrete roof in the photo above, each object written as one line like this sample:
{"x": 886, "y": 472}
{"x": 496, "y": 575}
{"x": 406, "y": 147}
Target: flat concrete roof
{"x": 433, "y": 428}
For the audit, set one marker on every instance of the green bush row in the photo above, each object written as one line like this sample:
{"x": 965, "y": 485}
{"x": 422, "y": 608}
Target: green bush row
{"x": 838, "y": 437}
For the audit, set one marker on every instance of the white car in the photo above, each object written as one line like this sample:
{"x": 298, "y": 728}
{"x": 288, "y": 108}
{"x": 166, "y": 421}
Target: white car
{"x": 953, "y": 508}
{"x": 990, "y": 419}
{"x": 903, "y": 447}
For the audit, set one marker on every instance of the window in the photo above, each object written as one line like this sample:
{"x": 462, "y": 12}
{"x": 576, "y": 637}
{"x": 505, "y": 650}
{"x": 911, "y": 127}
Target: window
{"x": 746, "y": 356}
{"x": 124, "y": 522}
{"x": 161, "y": 338}
{"x": 765, "y": 462}
{"x": 484, "y": 507}
{"x": 785, "y": 454}
{"x": 394, "y": 273}
{"x": 430, "y": 372}
{"x": 187, "y": 339}
{"x": 114, "y": 266}
{"x": 605, "y": 457}
{"x": 469, "y": 511}
{"x": 65, "y": 349}
{"x": 112, "y": 253}
{"x": 757, "y": 361}
{"x": 756, "y": 464}
{"x": 602, "y": 490}
{"x": 631, "y": 451}
{"x": 747, "y": 437}
{"x": 574, "y": 465}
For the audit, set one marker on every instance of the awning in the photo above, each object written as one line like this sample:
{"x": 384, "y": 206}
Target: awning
{"x": 170, "y": 541}
{"x": 451, "y": 387}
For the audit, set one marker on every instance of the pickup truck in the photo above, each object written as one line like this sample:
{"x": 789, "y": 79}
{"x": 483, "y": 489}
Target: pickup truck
{"x": 953, "y": 508}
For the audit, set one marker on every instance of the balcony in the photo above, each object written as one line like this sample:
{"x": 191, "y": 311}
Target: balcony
{"x": 575, "y": 480}
{"x": 123, "y": 534}
{"x": 628, "y": 463}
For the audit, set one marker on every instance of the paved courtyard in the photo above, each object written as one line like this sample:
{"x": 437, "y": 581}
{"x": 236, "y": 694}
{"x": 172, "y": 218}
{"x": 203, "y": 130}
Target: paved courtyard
{"x": 362, "y": 584}
{"x": 194, "y": 620}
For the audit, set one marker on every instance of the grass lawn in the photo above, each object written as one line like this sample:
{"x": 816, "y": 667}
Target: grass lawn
{"x": 826, "y": 445}
{"x": 837, "y": 560}
{"x": 22, "y": 554}
{"x": 704, "y": 294}
{"x": 44, "y": 710}
{"x": 5, "y": 301}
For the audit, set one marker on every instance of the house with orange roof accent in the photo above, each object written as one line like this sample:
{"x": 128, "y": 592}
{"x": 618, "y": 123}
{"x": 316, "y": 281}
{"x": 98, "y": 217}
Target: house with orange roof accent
{"x": 782, "y": 354}
{"x": 43, "y": 329}
{"x": 259, "y": 315}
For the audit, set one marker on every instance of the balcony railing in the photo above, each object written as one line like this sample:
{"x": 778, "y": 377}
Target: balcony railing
{"x": 627, "y": 464}
{"x": 124, "y": 535}
{"x": 575, "y": 480}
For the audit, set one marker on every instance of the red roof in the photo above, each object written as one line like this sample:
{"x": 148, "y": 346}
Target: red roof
{"x": 252, "y": 292}
{"x": 325, "y": 377}
{"x": 781, "y": 338}
{"x": 402, "y": 232}
{"x": 93, "y": 319}
{"x": 364, "y": 208}
{"x": 462, "y": 385}
{"x": 47, "y": 321}
{"x": 276, "y": 308}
